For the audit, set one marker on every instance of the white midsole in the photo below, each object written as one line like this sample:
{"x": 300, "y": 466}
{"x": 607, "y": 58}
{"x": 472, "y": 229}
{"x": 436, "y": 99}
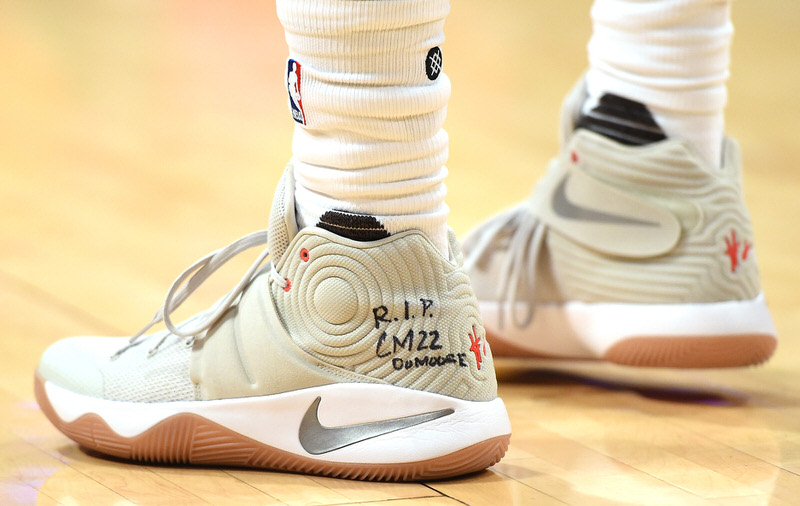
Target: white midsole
{"x": 588, "y": 330}
{"x": 275, "y": 419}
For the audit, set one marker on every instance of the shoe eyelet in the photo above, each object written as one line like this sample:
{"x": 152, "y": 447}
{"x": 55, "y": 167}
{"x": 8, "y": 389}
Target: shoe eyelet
{"x": 574, "y": 156}
{"x": 288, "y": 285}
{"x": 304, "y": 255}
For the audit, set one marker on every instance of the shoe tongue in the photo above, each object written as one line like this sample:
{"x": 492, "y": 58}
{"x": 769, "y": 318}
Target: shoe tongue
{"x": 282, "y": 219}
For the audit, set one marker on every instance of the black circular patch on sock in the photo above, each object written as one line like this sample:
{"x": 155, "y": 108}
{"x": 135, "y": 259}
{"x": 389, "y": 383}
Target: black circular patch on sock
{"x": 433, "y": 63}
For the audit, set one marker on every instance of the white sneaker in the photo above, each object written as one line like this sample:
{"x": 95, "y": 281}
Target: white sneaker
{"x": 630, "y": 250}
{"x": 350, "y": 359}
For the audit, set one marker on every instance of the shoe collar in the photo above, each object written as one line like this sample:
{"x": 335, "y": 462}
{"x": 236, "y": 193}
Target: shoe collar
{"x": 282, "y": 218}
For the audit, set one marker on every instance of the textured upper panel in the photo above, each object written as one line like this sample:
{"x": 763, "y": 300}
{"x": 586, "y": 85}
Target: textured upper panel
{"x": 646, "y": 224}
{"x": 714, "y": 260}
{"x": 393, "y": 310}
{"x": 84, "y": 365}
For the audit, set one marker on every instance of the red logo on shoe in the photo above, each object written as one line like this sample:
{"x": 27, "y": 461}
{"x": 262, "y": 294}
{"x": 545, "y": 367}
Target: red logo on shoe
{"x": 475, "y": 347}
{"x": 732, "y": 250}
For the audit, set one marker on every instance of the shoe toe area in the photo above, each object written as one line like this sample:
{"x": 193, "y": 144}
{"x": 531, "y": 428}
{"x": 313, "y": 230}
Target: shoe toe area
{"x": 77, "y": 363}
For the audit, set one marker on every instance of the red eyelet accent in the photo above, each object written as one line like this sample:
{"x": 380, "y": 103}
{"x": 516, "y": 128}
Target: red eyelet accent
{"x": 574, "y": 156}
{"x": 288, "y": 285}
{"x": 304, "y": 255}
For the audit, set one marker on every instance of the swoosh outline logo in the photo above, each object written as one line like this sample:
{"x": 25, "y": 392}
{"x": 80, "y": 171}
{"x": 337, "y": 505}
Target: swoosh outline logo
{"x": 317, "y": 439}
{"x": 564, "y": 208}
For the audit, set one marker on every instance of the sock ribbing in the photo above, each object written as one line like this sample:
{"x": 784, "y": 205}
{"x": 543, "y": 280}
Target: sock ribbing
{"x": 671, "y": 55}
{"x": 370, "y": 139}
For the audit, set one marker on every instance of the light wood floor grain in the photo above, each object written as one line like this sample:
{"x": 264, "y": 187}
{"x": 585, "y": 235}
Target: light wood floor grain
{"x": 137, "y": 136}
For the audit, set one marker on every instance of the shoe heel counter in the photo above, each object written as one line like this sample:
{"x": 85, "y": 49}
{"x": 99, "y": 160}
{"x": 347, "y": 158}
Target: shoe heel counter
{"x": 715, "y": 261}
{"x": 714, "y": 258}
{"x": 719, "y": 239}
{"x": 737, "y": 267}
{"x": 393, "y": 311}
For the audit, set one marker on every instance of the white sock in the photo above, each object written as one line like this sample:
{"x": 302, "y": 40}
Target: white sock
{"x": 671, "y": 55}
{"x": 369, "y": 113}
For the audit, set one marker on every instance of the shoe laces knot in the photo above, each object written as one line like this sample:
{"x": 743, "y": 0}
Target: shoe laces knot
{"x": 191, "y": 279}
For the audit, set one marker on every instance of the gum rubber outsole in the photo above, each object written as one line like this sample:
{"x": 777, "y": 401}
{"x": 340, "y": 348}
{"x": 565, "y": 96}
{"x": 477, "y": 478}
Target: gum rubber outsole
{"x": 693, "y": 352}
{"x": 191, "y": 439}
{"x": 689, "y": 352}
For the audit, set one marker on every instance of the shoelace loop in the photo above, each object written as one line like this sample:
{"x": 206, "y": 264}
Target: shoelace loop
{"x": 517, "y": 282}
{"x": 191, "y": 279}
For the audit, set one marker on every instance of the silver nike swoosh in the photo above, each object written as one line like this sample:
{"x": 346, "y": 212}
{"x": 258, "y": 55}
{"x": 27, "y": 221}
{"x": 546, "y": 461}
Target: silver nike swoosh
{"x": 315, "y": 438}
{"x": 566, "y": 209}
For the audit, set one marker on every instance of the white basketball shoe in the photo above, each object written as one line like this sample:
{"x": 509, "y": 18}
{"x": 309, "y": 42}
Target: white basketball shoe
{"x": 357, "y": 359}
{"x": 630, "y": 250}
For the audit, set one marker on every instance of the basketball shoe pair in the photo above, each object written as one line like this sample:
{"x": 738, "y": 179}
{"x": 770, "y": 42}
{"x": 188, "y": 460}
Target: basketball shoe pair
{"x": 368, "y": 359}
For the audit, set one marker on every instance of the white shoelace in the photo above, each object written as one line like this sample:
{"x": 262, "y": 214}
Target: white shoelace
{"x": 517, "y": 272}
{"x": 192, "y": 278}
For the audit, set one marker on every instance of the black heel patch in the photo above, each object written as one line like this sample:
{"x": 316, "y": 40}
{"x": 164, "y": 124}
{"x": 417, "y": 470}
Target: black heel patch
{"x": 359, "y": 227}
{"x": 623, "y": 120}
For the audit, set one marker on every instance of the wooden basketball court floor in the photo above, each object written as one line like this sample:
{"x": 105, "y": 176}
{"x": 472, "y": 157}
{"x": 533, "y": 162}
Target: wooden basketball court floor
{"x": 136, "y": 136}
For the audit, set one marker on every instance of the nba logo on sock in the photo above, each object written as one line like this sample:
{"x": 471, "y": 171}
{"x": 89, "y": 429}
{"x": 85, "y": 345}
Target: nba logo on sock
{"x": 293, "y": 87}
